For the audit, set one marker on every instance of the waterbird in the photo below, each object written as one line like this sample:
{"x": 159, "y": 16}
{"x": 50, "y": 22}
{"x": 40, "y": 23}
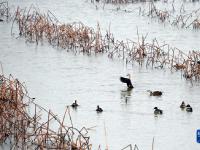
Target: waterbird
{"x": 155, "y": 93}
{"x": 188, "y": 108}
{"x": 127, "y": 81}
{"x": 157, "y": 111}
{"x": 182, "y": 106}
{"x": 99, "y": 109}
{"x": 74, "y": 105}
{"x": 1, "y": 20}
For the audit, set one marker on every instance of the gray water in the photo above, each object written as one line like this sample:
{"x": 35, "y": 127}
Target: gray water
{"x": 57, "y": 77}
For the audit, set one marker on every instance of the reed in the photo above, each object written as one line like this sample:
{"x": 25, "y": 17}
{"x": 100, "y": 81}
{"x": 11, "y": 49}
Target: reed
{"x": 21, "y": 129}
{"x": 78, "y": 38}
{"x": 4, "y": 10}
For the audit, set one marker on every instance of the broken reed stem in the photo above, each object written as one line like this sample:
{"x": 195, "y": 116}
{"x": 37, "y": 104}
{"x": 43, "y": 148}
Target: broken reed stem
{"x": 1, "y": 68}
{"x": 153, "y": 144}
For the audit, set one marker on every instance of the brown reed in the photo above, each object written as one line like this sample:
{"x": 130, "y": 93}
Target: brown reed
{"x": 77, "y": 37}
{"x": 22, "y": 129}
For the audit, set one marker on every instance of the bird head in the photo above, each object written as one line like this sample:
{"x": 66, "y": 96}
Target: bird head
{"x": 129, "y": 76}
{"x": 188, "y": 105}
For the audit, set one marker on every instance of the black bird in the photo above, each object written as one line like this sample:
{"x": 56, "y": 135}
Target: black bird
{"x": 99, "y": 109}
{"x": 1, "y": 20}
{"x": 74, "y": 105}
{"x": 155, "y": 93}
{"x": 182, "y": 106}
{"x": 188, "y": 108}
{"x": 127, "y": 81}
{"x": 157, "y": 111}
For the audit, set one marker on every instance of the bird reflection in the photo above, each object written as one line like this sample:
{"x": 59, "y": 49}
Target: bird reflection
{"x": 126, "y": 95}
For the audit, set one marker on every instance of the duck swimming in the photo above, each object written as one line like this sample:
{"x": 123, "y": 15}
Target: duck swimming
{"x": 182, "y": 106}
{"x": 99, "y": 109}
{"x": 127, "y": 81}
{"x": 155, "y": 93}
{"x": 157, "y": 111}
{"x": 189, "y": 108}
{"x": 74, "y": 105}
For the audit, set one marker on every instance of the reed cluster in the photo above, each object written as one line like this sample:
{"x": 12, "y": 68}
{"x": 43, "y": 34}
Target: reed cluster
{"x": 121, "y": 1}
{"x": 23, "y": 128}
{"x": 4, "y": 10}
{"x": 78, "y": 38}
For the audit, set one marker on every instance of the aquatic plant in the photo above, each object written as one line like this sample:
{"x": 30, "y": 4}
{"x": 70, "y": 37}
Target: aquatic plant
{"x": 4, "y": 10}
{"x": 78, "y": 38}
{"x": 26, "y": 125}
{"x": 120, "y": 1}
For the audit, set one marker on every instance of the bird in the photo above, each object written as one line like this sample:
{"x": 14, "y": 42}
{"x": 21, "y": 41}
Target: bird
{"x": 99, "y": 109}
{"x": 182, "y": 106}
{"x": 155, "y": 93}
{"x": 1, "y": 20}
{"x": 127, "y": 81}
{"x": 157, "y": 111}
{"x": 189, "y": 108}
{"x": 74, "y": 105}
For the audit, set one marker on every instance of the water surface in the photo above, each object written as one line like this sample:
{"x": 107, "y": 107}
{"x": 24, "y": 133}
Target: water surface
{"x": 56, "y": 78}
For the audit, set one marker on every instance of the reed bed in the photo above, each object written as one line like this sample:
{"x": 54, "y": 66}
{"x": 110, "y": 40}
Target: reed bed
{"x": 78, "y": 38}
{"x": 121, "y": 1}
{"x": 4, "y": 10}
{"x": 183, "y": 19}
{"x": 23, "y": 125}
{"x": 37, "y": 27}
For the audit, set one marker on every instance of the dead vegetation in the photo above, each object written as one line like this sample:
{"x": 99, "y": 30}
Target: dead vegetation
{"x": 121, "y": 1}
{"x": 178, "y": 18}
{"x": 23, "y": 125}
{"x": 78, "y": 38}
{"x": 4, "y": 11}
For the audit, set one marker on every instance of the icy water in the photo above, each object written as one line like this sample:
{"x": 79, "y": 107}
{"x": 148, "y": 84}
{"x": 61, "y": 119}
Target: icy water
{"x": 56, "y": 78}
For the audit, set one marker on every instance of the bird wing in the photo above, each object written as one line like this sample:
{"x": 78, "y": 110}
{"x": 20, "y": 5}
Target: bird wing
{"x": 127, "y": 81}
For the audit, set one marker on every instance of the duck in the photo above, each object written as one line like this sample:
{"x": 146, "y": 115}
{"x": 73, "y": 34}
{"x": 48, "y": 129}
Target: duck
{"x": 74, "y": 105}
{"x": 182, "y": 106}
{"x": 155, "y": 93}
{"x": 189, "y": 108}
{"x": 157, "y": 111}
{"x": 99, "y": 109}
{"x": 127, "y": 81}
